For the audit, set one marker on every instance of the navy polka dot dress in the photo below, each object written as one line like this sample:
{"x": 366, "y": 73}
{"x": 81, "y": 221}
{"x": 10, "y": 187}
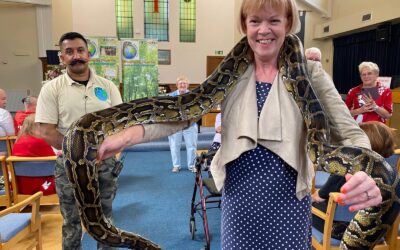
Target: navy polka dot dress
{"x": 259, "y": 205}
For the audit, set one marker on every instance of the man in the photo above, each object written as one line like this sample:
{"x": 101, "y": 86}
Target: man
{"x": 313, "y": 54}
{"x": 61, "y": 102}
{"x": 30, "y": 108}
{"x": 190, "y": 135}
{"x": 6, "y": 121}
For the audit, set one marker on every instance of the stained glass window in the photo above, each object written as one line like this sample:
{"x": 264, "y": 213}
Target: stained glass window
{"x": 187, "y": 21}
{"x": 156, "y": 19}
{"x": 124, "y": 15}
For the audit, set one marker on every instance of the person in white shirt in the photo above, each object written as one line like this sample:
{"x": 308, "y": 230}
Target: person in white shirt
{"x": 6, "y": 120}
{"x": 189, "y": 134}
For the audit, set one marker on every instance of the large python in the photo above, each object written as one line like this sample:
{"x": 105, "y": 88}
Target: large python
{"x": 85, "y": 135}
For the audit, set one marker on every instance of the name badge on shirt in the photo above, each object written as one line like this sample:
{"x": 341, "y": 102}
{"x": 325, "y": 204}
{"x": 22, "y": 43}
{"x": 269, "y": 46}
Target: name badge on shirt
{"x": 101, "y": 94}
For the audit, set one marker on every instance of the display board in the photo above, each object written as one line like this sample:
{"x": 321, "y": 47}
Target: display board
{"x": 139, "y": 68}
{"x": 132, "y": 62}
{"x": 105, "y": 57}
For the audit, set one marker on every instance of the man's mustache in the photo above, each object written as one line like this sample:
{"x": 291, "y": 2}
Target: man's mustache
{"x": 77, "y": 61}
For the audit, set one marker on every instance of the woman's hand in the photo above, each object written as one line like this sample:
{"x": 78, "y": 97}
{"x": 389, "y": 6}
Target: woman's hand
{"x": 114, "y": 144}
{"x": 359, "y": 191}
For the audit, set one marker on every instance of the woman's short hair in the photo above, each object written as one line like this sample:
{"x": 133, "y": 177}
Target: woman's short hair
{"x": 288, "y": 7}
{"x": 28, "y": 126}
{"x": 380, "y": 136}
{"x": 182, "y": 78}
{"x": 369, "y": 65}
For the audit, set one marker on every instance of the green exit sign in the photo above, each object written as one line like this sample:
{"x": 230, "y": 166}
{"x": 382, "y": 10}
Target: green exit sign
{"x": 219, "y": 52}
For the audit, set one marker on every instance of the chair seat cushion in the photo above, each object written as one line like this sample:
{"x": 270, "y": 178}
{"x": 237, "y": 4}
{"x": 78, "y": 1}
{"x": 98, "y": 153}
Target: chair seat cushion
{"x": 13, "y": 223}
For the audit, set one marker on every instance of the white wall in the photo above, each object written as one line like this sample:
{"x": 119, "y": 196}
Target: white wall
{"x": 20, "y": 68}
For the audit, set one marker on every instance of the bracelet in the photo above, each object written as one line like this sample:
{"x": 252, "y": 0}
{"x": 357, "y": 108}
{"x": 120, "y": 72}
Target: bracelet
{"x": 375, "y": 108}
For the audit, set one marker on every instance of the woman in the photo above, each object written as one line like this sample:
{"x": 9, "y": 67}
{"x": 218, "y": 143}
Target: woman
{"x": 30, "y": 108}
{"x": 189, "y": 134}
{"x": 383, "y": 142}
{"x": 370, "y": 101}
{"x": 30, "y": 145}
{"x": 262, "y": 163}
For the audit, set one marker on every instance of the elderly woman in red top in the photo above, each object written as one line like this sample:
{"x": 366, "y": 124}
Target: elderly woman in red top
{"x": 29, "y": 145}
{"x": 370, "y": 101}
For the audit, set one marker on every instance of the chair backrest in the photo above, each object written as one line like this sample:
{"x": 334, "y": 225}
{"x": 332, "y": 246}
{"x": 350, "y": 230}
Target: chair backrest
{"x": 6, "y": 143}
{"x": 342, "y": 213}
{"x": 33, "y": 167}
{"x": 320, "y": 178}
{"x": 3, "y": 145}
{"x": 5, "y": 194}
{"x": 393, "y": 160}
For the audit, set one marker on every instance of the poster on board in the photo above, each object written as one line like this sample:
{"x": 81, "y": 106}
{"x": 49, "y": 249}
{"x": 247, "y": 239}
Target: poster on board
{"x": 105, "y": 57}
{"x": 139, "y": 68}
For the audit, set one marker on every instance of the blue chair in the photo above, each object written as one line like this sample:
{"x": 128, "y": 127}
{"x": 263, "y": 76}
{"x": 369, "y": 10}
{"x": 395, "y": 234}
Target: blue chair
{"x": 16, "y": 226}
{"x": 6, "y": 143}
{"x": 5, "y": 194}
{"x": 3, "y": 145}
{"x": 31, "y": 166}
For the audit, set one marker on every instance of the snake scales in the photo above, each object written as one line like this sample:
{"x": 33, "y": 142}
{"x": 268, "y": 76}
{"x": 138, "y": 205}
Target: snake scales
{"x": 82, "y": 140}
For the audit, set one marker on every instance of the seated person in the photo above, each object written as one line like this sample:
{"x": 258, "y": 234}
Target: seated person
{"x": 6, "y": 121}
{"x": 382, "y": 142}
{"x": 217, "y": 137}
{"x": 216, "y": 141}
{"x": 28, "y": 144}
{"x": 30, "y": 108}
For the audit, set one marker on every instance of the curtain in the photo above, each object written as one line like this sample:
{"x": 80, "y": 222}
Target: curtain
{"x": 351, "y": 50}
{"x": 300, "y": 34}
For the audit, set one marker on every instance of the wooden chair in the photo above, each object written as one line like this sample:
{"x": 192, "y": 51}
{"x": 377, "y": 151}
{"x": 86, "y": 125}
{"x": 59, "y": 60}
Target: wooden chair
{"x": 16, "y": 226}
{"x": 323, "y": 240}
{"x": 6, "y": 143}
{"x": 5, "y": 195}
{"x": 31, "y": 166}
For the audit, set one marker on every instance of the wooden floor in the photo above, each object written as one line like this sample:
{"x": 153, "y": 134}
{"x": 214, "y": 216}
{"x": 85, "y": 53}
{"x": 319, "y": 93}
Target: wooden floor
{"x": 51, "y": 231}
